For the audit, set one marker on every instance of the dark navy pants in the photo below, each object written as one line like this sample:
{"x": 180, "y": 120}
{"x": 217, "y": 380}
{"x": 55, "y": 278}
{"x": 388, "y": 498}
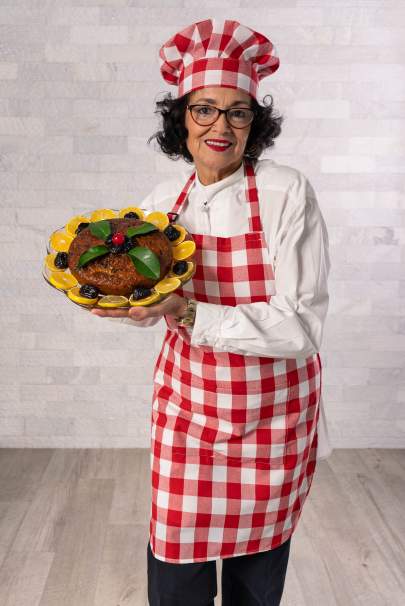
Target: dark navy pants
{"x": 249, "y": 580}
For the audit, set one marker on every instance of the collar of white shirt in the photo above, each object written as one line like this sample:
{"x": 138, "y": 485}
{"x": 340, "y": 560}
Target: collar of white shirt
{"x": 207, "y": 192}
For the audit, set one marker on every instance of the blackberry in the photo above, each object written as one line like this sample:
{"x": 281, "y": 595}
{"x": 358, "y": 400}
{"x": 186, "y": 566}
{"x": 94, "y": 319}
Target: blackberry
{"x": 89, "y": 291}
{"x": 61, "y": 260}
{"x": 131, "y": 215}
{"x": 127, "y": 245}
{"x": 140, "y": 292}
{"x": 122, "y": 248}
{"x": 81, "y": 226}
{"x": 171, "y": 232}
{"x": 180, "y": 268}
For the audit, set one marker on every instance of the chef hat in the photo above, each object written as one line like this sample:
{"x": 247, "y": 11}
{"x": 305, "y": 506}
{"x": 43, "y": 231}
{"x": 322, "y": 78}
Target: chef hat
{"x": 216, "y": 53}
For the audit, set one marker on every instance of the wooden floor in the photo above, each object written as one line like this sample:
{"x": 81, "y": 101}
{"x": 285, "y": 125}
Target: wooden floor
{"x": 74, "y": 523}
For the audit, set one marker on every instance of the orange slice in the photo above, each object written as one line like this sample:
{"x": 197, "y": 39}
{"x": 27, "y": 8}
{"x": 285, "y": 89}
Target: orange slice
{"x": 182, "y": 235}
{"x": 73, "y": 224}
{"x": 113, "y": 301}
{"x": 131, "y": 209}
{"x": 184, "y": 250}
{"x": 60, "y": 241}
{"x": 103, "y": 213}
{"x": 167, "y": 285}
{"x": 187, "y": 274}
{"x": 62, "y": 280}
{"x": 50, "y": 263}
{"x": 155, "y": 296}
{"x": 74, "y": 294}
{"x": 160, "y": 220}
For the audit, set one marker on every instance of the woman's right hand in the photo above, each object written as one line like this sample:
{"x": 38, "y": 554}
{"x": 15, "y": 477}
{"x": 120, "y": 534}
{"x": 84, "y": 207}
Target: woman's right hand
{"x": 173, "y": 305}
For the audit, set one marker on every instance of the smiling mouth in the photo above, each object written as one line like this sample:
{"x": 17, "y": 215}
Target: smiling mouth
{"x": 218, "y": 145}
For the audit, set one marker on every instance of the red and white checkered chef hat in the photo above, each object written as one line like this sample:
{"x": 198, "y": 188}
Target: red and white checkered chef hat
{"x": 216, "y": 53}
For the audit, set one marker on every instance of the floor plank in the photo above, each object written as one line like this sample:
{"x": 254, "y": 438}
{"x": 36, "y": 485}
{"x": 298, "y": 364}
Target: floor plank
{"x": 74, "y": 529}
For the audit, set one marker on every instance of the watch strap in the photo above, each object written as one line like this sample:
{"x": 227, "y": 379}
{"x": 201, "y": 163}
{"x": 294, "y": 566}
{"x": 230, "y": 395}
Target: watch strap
{"x": 189, "y": 317}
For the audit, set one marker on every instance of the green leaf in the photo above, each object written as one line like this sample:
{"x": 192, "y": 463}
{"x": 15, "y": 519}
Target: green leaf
{"x": 145, "y": 261}
{"x": 100, "y": 229}
{"x": 92, "y": 253}
{"x": 137, "y": 230}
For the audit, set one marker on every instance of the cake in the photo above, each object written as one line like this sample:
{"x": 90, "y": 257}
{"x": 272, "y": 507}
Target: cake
{"x": 118, "y": 260}
{"x": 115, "y": 273}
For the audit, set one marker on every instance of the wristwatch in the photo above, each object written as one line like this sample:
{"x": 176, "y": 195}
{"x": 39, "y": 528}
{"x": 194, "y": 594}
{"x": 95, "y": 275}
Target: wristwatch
{"x": 188, "y": 318}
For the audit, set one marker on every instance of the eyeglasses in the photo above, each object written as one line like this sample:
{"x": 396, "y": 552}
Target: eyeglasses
{"x": 205, "y": 115}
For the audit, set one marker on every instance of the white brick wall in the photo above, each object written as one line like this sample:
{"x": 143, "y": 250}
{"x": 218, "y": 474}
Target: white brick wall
{"x": 78, "y": 81}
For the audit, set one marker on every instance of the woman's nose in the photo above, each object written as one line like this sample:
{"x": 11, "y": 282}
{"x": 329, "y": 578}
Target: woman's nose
{"x": 222, "y": 124}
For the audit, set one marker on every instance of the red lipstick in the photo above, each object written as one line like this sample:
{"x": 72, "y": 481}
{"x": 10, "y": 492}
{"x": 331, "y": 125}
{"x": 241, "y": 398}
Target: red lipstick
{"x": 218, "y": 144}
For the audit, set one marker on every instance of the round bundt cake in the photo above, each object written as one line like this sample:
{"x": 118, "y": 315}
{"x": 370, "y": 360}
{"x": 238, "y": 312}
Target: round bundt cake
{"x": 116, "y": 271}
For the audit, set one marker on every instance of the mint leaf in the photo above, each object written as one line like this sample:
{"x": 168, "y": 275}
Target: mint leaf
{"x": 137, "y": 230}
{"x": 92, "y": 253}
{"x": 145, "y": 261}
{"x": 100, "y": 229}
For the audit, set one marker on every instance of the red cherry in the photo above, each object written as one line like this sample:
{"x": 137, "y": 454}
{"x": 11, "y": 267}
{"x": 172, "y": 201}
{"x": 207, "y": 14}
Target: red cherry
{"x": 118, "y": 239}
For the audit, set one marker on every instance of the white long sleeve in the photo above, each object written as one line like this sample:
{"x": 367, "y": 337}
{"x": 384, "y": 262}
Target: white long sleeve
{"x": 291, "y": 324}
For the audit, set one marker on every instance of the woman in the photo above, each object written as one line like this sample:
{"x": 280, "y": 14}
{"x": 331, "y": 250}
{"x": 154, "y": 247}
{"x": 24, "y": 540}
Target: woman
{"x": 237, "y": 383}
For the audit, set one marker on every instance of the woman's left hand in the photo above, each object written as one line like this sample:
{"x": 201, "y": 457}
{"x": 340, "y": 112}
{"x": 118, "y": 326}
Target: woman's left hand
{"x": 173, "y": 305}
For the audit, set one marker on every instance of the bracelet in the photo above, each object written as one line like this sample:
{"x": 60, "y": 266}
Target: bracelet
{"x": 188, "y": 319}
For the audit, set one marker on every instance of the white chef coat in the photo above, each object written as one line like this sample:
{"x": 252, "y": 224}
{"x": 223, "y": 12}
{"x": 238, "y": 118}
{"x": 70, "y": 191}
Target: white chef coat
{"x": 291, "y": 324}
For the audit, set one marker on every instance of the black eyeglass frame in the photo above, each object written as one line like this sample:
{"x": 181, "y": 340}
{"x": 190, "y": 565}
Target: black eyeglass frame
{"x": 221, "y": 111}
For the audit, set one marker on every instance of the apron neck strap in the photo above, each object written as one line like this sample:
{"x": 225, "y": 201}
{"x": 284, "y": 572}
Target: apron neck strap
{"x": 178, "y": 205}
{"x": 252, "y": 196}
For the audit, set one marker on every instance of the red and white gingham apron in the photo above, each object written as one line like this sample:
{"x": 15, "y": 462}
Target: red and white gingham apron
{"x": 234, "y": 437}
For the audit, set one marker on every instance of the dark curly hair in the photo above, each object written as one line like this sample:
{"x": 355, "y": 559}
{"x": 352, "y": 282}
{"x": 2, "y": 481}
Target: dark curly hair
{"x": 265, "y": 127}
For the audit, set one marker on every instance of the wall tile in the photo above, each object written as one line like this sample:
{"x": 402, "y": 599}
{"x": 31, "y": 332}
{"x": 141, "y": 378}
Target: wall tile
{"x": 78, "y": 86}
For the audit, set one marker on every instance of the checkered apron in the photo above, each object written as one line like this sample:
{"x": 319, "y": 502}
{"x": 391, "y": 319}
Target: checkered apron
{"x": 234, "y": 437}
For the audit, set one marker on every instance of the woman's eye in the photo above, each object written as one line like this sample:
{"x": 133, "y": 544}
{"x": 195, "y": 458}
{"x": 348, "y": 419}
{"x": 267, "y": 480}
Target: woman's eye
{"x": 205, "y": 110}
{"x": 238, "y": 113}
